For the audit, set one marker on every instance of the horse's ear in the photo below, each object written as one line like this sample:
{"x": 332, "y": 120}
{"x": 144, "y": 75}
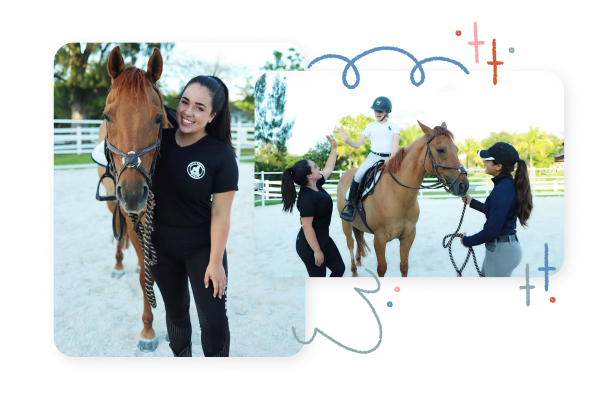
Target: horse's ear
{"x": 444, "y": 125}
{"x": 426, "y": 130}
{"x": 155, "y": 66}
{"x": 115, "y": 64}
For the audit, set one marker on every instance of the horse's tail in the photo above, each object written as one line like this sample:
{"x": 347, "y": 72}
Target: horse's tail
{"x": 360, "y": 242}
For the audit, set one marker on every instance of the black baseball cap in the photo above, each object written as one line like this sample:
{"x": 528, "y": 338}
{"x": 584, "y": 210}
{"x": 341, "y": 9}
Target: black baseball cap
{"x": 501, "y": 153}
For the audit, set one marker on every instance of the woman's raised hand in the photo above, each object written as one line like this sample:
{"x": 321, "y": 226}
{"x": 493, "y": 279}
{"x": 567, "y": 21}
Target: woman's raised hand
{"x": 332, "y": 141}
{"x": 343, "y": 134}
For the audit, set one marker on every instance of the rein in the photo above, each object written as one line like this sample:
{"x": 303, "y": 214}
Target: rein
{"x": 442, "y": 182}
{"x": 470, "y": 249}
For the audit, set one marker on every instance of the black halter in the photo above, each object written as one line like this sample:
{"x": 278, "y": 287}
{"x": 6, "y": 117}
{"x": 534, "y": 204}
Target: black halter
{"x": 442, "y": 182}
{"x": 131, "y": 159}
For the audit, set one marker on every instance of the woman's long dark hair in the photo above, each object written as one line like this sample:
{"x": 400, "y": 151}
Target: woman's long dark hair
{"x": 298, "y": 173}
{"x": 523, "y": 191}
{"x": 220, "y": 127}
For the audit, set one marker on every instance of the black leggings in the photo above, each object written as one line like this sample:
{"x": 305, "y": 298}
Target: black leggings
{"x": 175, "y": 265}
{"x": 332, "y": 261}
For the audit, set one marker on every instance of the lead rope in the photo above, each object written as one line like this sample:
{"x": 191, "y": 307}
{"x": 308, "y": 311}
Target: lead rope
{"x": 149, "y": 253}
{"x": 470, "y": 250}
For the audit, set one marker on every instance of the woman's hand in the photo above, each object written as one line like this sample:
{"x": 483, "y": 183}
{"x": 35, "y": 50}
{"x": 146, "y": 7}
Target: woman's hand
{"x": 462, "y": 239}
{"x": 343, "y": 134}
{"x": 217, "y": 275}
{"x": 319, "y": 258}
{"x": 467, "y": 199}
{"x": 332, "y": 141}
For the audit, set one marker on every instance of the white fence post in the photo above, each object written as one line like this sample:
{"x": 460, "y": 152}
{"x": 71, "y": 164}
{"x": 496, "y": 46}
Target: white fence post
{"x": 78, "y": 140}
{"x": 239, "y": 137}
{"x": 555, "y": 181}
{"x": 263, "y": 190}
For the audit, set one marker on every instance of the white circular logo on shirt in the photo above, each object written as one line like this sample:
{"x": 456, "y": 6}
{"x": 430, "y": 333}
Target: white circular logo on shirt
{"x": 196, "y": 170}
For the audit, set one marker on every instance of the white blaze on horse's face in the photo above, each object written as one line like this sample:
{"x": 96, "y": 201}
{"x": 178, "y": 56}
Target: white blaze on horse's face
{"x": 194, "y": 111}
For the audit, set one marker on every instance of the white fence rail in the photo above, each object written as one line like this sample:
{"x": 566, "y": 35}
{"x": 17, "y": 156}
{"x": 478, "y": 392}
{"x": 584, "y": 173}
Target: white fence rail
{"x": 267, "y": 185}
{"x": 83, "y": 138}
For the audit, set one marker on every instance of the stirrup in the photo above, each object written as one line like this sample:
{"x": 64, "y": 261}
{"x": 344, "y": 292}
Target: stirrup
{"x": 348, "y": 216}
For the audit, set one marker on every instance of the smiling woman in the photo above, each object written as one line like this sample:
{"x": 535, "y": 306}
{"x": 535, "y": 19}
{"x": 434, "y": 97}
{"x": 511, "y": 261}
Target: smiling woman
{"x": 190, "y": 230}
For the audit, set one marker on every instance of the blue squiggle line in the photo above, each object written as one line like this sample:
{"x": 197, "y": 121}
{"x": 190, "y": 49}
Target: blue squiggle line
{"x": 360, "y": 292}
{"x": 418, "y": 64}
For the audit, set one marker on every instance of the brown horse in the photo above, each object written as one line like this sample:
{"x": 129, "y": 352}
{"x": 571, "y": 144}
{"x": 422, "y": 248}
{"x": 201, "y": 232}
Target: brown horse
{"x": 392, "y": 210}
{"x": 134, "y": 113}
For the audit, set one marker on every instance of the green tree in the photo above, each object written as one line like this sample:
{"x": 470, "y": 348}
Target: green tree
{"x": 81, "y": 78}
{"x": 469, "y": 147}
{"x": 247, "y": 102}
{"x": 271, "y": 127}
{"x": 534, "y": 143}
{"x": 409, "y": 134}
{"x": 354, "y": 127}
{"x": 294, "y": 62}
{"x": 495, "y": 137}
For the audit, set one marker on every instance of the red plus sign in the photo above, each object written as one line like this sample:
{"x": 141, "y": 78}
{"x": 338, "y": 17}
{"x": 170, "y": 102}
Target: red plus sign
{"x": 495, "y": 64}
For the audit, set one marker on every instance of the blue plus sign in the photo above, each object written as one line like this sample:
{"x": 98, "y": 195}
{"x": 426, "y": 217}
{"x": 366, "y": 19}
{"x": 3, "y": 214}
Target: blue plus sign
{"x": 546, "y": 268}
{"x": 527, "y": 286}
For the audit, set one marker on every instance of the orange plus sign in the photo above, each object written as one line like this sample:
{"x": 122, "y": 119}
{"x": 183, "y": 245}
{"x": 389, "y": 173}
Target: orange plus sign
{"x": 495, "y": 64}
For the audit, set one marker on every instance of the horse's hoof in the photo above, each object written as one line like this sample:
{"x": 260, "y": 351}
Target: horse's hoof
{"x": 117, "y": 274}
{"x": 354, "y": 274}
{"x": 147, "y": 345}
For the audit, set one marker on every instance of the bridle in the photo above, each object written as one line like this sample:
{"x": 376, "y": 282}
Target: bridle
{"x": 442, "y": 182}
{"x": 130, "y": 159}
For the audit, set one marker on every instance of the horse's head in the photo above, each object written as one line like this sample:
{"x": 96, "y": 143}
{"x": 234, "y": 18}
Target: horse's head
{"x": 442, "y": 160}
{"x": 134, "y": 116}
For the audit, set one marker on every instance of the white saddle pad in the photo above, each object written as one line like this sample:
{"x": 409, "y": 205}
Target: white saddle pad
{"x": 98, "y": 154}
{"x": 366, "y": 190}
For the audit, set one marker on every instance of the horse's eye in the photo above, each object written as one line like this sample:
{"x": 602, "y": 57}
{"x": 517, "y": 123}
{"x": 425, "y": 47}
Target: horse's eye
{"x": 442, "y": 151}
{"x": 105, "y": 117}
{"x": 159, "y": 119}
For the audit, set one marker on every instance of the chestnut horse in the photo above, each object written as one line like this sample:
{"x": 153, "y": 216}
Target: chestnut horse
{"x": 134, "y": 112}
{"x": 392, "y": 210}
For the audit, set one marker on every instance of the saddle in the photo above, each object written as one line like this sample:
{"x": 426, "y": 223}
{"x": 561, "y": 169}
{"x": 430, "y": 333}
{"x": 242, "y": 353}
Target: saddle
{"x": 366, "y": 188}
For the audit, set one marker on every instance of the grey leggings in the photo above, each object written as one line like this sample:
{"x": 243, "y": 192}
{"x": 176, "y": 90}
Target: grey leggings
{"x": 371, "y": 159}
{"x": 501, "y": 258}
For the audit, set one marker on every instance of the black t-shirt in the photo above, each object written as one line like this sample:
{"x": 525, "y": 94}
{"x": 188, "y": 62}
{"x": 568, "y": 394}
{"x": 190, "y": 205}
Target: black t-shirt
{"x": 319, "y": 205}
{"x": 186, "y": 177}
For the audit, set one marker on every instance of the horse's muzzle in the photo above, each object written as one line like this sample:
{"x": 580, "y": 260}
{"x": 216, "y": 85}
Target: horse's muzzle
{"x": 460, "y": 188}
{"x": 132, "y": 201}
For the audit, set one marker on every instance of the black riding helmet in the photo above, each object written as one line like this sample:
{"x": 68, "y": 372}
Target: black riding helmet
{"x": 382, "y": 104}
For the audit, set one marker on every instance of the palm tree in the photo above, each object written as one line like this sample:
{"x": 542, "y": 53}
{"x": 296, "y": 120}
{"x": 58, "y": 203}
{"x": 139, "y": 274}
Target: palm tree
{"x": 354, "y": 126}
{"x": 534, "y": 140}
{"x": 409, "y": 134}
{"x": 469, "y": 147}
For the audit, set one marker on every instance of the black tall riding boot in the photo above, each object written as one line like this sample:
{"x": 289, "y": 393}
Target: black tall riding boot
{"x": 349, "y": 211}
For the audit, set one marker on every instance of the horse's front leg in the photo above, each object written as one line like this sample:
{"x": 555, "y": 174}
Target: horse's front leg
{"x": 380, "y": 252}
{"x": 148, "y": 341}
{"x": 405, "y": 246}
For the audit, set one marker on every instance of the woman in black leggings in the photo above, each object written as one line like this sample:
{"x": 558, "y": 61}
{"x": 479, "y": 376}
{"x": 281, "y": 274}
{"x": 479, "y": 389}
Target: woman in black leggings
{"x": 314, "y": 246}
{"x": 194, "y": 185}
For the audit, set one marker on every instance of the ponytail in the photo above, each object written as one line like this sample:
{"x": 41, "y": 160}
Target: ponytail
{"x": 523, "y": 193}
{"x": 297, "y": 174}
